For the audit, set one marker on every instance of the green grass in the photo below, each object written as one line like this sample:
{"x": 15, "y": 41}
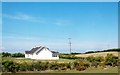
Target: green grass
{"x": 31, "y": 60}
{"x": 101, "y": 70}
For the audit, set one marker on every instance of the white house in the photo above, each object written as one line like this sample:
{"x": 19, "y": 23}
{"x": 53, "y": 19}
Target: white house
{"x": 42, "y": 53}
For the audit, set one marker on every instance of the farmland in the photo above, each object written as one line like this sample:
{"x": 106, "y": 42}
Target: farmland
{"x": 100, "y": 62}
{"x": 96, "y": 62}
{"x": 61, "y": 59}
{"x": 97, "y": 54}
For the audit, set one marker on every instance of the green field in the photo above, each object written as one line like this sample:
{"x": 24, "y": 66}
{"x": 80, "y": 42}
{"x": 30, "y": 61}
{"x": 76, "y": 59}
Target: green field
{"x": 65, "y": 61}
{"x": 31, "y": 60}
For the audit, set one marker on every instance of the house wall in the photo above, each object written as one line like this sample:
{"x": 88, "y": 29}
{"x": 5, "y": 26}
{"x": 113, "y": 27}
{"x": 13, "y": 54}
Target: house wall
{"x": 45, "y": 54}
{"x": 28, "y": 56}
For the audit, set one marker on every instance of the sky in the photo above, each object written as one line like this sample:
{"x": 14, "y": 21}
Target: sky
{"x": 90, "y": 25}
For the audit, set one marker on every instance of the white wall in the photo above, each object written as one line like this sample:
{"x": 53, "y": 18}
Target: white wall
{"x": 28, "y": 56}
{"x": 45, "y": 54}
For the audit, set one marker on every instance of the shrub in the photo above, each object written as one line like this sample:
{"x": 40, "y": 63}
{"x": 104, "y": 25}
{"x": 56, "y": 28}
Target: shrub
{"x": 81, "y": 65}
{"x": 37, "y": 66}
{"x": 111, "y": 60}
{"x": 95, "y": 64}
{"x": 23, "y": 67}
{"x": 90, "y": 58}
{"x": 62, "y": 66}
{"x": 10, "y": 66}
{"x": 54, "y": 66}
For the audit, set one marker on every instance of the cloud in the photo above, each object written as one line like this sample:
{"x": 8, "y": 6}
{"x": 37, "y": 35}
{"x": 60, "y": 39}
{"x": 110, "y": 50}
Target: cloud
{"x": 2, "y": 48}
{"x": 25, "y": 17}
{"x": 62, "y": 23}
{"x": 37, "y": 19}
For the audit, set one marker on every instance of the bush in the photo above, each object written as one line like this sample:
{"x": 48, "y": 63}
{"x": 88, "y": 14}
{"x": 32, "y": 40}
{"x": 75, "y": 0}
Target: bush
{"x": 81, "y": 65}
{"x": 62, "y": 66}
{"x": 90, "y": 58}
{"x": 38, "y": 66}
{"x": 95, "y": 64}
{"x": 111, "y": 60}
{"x": 54, "y": 66}
{"x": 23, "y": 67}
{"x": 10, "y": 66}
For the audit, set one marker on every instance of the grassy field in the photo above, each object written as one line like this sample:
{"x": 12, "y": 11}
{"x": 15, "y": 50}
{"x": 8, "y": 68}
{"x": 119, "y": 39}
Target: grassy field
{"x": 102, "y": 70}
{"x": 97, "y": 54}
{"x": 88, "y": 70}
{"x": 60, "y": 60}
{"x": 20, "y": 60}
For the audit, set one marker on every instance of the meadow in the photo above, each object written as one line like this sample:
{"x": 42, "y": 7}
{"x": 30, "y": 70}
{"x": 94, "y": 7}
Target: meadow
{"x": 90, "y": 63}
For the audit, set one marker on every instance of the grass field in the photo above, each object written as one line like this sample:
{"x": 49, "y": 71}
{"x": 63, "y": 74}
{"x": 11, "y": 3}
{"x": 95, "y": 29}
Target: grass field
{"x": 60, "y": 60}
{"x": 97, "y": 54}
{"x": 88, "y": 70}
{"x": 20, "y": 60}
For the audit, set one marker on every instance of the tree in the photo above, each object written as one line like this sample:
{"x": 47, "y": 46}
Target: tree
{"x": 18, "y": 55}
{"x": 6, "y": 54}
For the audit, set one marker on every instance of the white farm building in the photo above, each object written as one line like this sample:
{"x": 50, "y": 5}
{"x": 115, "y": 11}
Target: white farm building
{"x": 42, "y": 53}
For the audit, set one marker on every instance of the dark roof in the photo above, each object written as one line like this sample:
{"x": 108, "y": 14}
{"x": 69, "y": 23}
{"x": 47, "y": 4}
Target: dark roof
{"x": 40, "y": 49}
{"x": 27, "y": 52}
{"x": 32, "y": 50}
{"x": 54, "y": 52}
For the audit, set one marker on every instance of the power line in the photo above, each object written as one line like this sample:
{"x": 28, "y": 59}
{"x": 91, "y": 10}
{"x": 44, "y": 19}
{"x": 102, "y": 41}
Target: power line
{"x": 70, "y": 44}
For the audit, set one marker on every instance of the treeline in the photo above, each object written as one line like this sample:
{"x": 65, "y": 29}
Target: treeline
{"x": 80, "y": 65}
{"x": 6, "y": 54}
{"x": 109, "y": 50}
{"x": 69, "y": 56}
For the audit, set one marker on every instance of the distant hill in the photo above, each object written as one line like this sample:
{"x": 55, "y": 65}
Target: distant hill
{"x": 98, "y": 53}
{"x": 115, "y": 53}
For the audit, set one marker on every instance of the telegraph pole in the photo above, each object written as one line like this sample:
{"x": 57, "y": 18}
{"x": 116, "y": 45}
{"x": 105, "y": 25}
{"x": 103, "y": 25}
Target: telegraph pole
{"x": 70, "y": 44}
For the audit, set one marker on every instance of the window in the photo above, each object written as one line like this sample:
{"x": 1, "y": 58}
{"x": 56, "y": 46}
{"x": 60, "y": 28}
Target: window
{"x": 27, "y": 55}
{"x": 54, "y": 55}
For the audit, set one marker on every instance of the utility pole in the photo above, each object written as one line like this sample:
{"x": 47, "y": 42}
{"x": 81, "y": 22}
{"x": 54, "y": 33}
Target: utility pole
{"x": 70, "y": 44}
